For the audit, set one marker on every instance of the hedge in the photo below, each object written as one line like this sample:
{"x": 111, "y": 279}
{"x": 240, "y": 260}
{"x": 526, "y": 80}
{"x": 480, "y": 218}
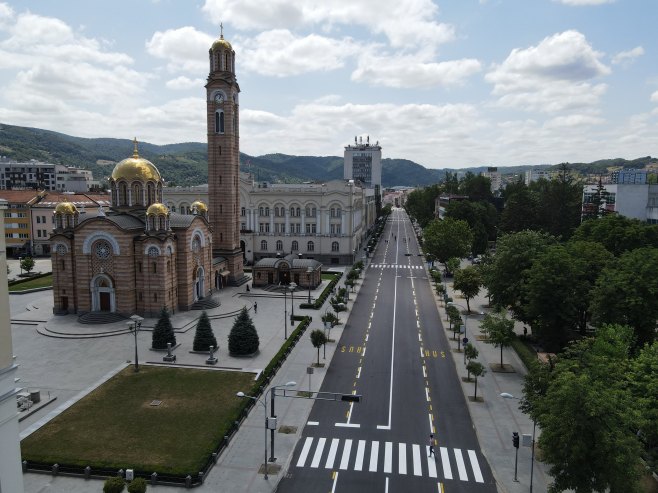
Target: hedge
{"x": 317, "y": 304}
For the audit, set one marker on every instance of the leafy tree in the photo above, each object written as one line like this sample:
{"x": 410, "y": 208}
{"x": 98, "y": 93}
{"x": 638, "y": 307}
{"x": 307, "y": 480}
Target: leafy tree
{"x": 520, "y": 212}
{"x": 477, "y": 187}
{"x": 448, "y": 238}
{"x": 499, "y": 331}
{"x": 477, "y": 370}
{"x": 471, "y": 353}
{"x": 114, "y": 485}
{"x": 386, "y": 210}
{"x": 468, "y": 281}
{"x": 318, "y": 339}
{"x": 482, "y": 218}
{"x": 137, "y": 485}
{"x": 643, "y": 381}
{"x": 204, "y": 336}
{"x": 618, "y": 234}
{"x": 626, "y": 293}
{"x": 452, "y": 265}
{"x": 420, "y": 204}
{"x": 560, "y": 204}
{"x": 163, "y": 332}
{"x": 27, "y": 264}
{"x": 587, "y": 415}
{"x": 243, "y": 338}
{"x": 594, "y": 208}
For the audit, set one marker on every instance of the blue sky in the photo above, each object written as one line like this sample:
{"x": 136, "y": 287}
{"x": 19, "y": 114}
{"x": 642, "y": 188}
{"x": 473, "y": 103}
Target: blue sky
{"x": 445, "y": 83}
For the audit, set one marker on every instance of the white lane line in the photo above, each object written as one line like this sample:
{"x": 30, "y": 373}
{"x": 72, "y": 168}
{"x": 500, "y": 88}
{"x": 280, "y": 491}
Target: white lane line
{"x": 367, "y": 335}
{"x": 476, "y": 466}
{"x": 360, "y": 452}
{"x": 420, "y": 339}
{"x": 418, "y": 324}
{"x": 418, "y": 470}
{"x": 347, "y": 425}
{"x": 332, "y": 454}
{"x": 358, "y": 372}
{"x": 427, "y": 394}
{"x": 345, "y": 459}
{"x": 402, "y": 459}
{"x": 312, "y": 423}
{"x": 388, "y": 457}
{"x": 429, "y": 416}
{"x": 424, "y": 372}
{"x": 318, "y": 452}
{"x": 421, "y": 351}
{"x": 364, "y": 352}
{"x": 461, "y": 467}
{"x": 445, "y": 463}
{"x": 386, "y": 486}
{"x": 431, "y": 464}
{"x": 374, "y": 455}
{"x": 333, "y": 488}
{"x": 305, "y": 449}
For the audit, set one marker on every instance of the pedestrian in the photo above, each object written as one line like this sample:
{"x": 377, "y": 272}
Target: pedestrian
{"x": 431, "y": 445}
{"x": 255, "y": 307}
{"x": 247, "y": 287}
{"x": 525, "y": 331}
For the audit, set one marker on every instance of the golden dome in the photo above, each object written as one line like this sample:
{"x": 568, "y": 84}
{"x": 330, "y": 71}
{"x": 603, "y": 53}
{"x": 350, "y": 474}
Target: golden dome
{"x": 66, "y": 208}
{"x": 221, "y": 43}
{"x": 200, "y": 207}
{"x": 136, "y": 168}
{"x": 157, "y": 209}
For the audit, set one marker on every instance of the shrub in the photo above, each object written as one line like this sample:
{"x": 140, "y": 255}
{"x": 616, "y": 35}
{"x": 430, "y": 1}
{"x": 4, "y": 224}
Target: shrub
{"x": 204, "y": 336}
{"x": 114, "y": 485}
{"x": 137, "y": 485}
{"x": 163, "y": 332}
{"x": 243, "y": 339}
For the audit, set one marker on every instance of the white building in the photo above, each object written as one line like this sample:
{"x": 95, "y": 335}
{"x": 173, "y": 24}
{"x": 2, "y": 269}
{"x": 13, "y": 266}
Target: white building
{"x": 494, "y": 177}
{"x": 363, "y": 163}
{"x": 536, "y": 174}
{"x": 44, "y": 176}
{"x": 633, "y": 201}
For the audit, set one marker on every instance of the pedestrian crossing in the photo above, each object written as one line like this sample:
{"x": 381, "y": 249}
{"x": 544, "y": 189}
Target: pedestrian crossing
{"x": 389, "y": 458}
{"x": 396, "y": 266}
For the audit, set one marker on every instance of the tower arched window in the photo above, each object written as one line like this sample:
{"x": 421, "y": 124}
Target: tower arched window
{"x": 279, "y": 246}
{"x": 137, "y": 194}
{"x": 219, "y": 122}
{"x": 263, "y": 246}
{"x": 334, "y": 246}
{"x": 310, "y": 246}
{"x": 123, "y": 194}
{"x": 151, "y": 193}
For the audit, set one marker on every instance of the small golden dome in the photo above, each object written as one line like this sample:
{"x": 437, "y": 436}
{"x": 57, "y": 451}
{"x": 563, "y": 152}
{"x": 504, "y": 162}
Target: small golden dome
{"x": 66, "y": 208}
{"x": 200, "y": 207}
{"x": 157, "y": 209}
{"x": 221, "y": 43}
{"x": 136, "y": 168}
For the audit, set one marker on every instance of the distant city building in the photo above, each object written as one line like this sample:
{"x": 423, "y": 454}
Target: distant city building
{"x": 629, "y": 177}
{"x": 442, "y": 202}
{"x": 633, "y": 201}
{"x": 537, "y": 174}
{"x": 36, "y": 175}
{"x": 363, "y": 163}
{"x": 494, "y": 177}
{"x": 17, "y": 224}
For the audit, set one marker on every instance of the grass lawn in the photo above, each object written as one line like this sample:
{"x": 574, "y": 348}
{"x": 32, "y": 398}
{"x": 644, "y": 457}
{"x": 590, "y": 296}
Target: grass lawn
{"x": 328, "y": 277}
{"x": 41, "y": 282}
{"x": 116, "y": 427}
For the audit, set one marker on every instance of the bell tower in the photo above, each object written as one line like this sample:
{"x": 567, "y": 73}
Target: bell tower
{"x": 224, "y": 157}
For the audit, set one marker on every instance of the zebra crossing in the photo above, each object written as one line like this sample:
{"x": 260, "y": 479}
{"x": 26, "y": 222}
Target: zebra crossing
{"x": 375, "y": 456}
{"x": 394, "y": 266}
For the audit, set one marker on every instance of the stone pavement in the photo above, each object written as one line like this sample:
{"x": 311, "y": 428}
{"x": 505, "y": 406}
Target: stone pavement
{"x": 67, "y": 367}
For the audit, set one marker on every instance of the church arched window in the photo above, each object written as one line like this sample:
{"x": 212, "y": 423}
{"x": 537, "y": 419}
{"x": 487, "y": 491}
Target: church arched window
{"x": 310, "y": 246}
{"x": 334, "y": 246}
{"x": 219, "y": 122}
{"x": 279, "y": 245}
{"x": 263, "y": 245}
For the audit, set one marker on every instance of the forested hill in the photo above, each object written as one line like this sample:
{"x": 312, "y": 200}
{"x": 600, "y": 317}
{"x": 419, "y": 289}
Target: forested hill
{"x": 186, "y": 163}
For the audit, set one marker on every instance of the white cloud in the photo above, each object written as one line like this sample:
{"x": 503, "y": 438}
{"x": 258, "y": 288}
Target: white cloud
{"x": 6, "y": 16}
{"x": 573, "y": 121}
{"x": 551, "y": 76}
{"x": 579, "y": 3}
{"x": 184, "y": 48}
{"x": 628, "y": 56}
{"x": 410, "y": 71}
{"x": 654, "y": 97}
{"x": 183, "y": 83}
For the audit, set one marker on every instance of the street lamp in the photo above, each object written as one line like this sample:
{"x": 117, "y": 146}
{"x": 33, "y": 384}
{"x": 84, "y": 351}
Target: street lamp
{"x": 285, "y": 313}
{"x": 506, "y": 395}
{"x": 273, "y": 416}
{"x": 260, "y": 401}
{"x": 292, "y": 303}
{"x": 309, "y": 274}
{"x": 134, "y": 325}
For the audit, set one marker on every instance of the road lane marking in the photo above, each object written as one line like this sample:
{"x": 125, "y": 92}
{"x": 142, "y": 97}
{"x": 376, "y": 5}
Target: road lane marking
{"x": 333, "y": 488}
{"x": 358, "y": 372}
{"x": 431, "y": 422}
{"x": 402, "y": 459}
{"x": 445, "y": 463}
{"x": 332, "y": 453}
{"x": 367, "y": 337}
{"x": 360, "y": 451}
{"x": 347, "y": 425}
{"x": 312, "y": 423}
{"x": 476, "y": 466}
{"x": 386, "y": 486}
{"x": 374, "y": 455}
{"x": 305, "y": 449}
{"x": 388, "y": 457}
{"x": 418, "y": 470}
{"x": 461, "y": 467}
{"x": 421, "y": 351}
{"x": 318, "y": 453}
{"x": 427, "y": 394}
{"x": 345, "y": 458}
{"x": 431, "y": 464}
{"x": 364, "y": 352}
{"x": 424, "y": 372}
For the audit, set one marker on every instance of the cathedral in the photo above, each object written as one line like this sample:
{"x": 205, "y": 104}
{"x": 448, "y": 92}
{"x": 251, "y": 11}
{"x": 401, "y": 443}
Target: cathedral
{"x": 138, "y": 256}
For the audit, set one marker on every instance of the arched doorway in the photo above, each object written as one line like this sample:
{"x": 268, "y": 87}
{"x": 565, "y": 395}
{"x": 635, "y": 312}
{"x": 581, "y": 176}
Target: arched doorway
{"x": 199, "y": 289}
{"x": 102, "y": 294}
{"x": 243, "y": 247}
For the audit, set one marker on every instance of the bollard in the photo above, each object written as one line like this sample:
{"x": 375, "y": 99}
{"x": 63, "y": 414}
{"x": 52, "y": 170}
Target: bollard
{"x": 120, "y": 473}
{"x": 55, "y": 469}
{"x": 188, "y": 481}
{"x": 214, "y": 457}
{"x": 87, "y": 472}
{"x": 24, "y": 464}
{"x": 154, "y": 478}
{"x": 201, "y": 477}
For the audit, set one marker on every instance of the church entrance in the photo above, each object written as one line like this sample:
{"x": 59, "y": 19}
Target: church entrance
{"x": 102, "y": 294}
{"x": 104, "y": 301}
{"x": 198, "y": 283}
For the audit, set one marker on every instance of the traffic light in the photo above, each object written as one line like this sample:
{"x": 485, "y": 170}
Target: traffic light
{"x": 515, "y": 439}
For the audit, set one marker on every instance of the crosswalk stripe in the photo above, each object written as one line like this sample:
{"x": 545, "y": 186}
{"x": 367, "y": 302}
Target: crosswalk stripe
{"x": 305, "y": 449}
{"x": 360, "y": 451}
{"x": 345, "y": 459}
{"x": 388, "y": 457}
{"x": 418, "y": 470}
{"x": 318, "y": 452}
{"x": 374, "y": 455}
{"x": 476, "y": 466}
{"x": 461, "y": 467}
{"x": 445, "y": 463}
{"x": 402, "y": 459}
{"x": 431, "y": 465}
{"x": 332, "y": 454}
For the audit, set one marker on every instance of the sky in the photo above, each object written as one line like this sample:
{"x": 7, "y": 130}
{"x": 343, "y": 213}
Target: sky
{"x": 444, "y": 83}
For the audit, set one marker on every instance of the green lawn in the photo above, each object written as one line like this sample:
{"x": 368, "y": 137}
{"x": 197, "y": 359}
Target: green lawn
{"x": 41, "y": 282}
{"x": 116, "y": 427}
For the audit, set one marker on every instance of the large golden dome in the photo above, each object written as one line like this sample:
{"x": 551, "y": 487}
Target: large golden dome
{"x": 157, "y": 209}
{"x": 66, "y": 208}
{"x": 136, "y": 168}
{"x": 200, "y": 207}
{"x": 222, "y": 43}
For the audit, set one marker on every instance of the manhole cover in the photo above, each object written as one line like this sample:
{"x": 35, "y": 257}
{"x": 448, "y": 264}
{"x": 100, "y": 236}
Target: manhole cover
{"x": 155, "y": 403}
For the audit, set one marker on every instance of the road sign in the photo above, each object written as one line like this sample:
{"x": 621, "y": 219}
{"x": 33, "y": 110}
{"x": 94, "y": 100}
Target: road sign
{"x": 465, "y": 340}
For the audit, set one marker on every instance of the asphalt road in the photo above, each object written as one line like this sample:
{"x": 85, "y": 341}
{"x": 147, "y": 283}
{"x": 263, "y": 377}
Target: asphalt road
{"x": 393, "y": 352}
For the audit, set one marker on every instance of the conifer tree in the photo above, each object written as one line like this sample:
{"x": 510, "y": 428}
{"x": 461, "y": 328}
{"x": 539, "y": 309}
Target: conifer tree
{"x": 204, "y": 336}
{"x": 243, "y": 338}
{"x": 163, "y": 332}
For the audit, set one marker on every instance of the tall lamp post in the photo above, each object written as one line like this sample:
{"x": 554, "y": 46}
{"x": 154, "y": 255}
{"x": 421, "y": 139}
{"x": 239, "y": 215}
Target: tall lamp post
{"x": 309, "y": 275}
{"x": 262, "y": 403}
{"x": 285, "y": 313}
{"x": 273, "y": 416}
{"x": 292, "y": 286}
{"x": 506, "y": 395}
{"x": 134, "y": 325}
